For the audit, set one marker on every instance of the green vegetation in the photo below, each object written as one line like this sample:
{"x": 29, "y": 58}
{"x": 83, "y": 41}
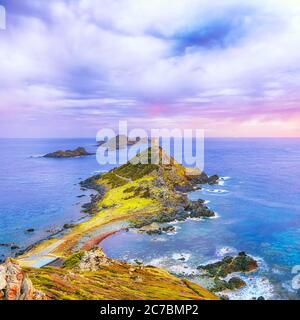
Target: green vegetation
{"x": 73, "y": 260}
{"x": 116, "y": 281}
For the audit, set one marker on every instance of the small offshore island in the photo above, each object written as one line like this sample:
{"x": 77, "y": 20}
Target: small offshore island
{"x": 141, "y": 196}
{"x": 79, "y": 152}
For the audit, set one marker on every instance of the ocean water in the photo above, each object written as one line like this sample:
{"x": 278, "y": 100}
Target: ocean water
{"x": 40, "y": 193}
{"x": 257, "y": 202}
{"x": 258, "y": 206}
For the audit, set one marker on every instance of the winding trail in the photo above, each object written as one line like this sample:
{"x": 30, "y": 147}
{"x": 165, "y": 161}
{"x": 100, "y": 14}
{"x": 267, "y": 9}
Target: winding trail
{"x": 42, "y": 257}
{"x": 45, "y": 256}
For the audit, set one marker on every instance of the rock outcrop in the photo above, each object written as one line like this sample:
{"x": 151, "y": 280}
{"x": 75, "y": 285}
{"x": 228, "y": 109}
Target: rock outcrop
{"x": 94, "y": 259}
{"x": 241, "y": 263}
{"x": 213, "y": 179}
{"x": 156, "y": 229}
{"x": 199, "y": 210}
{"x": 79, "y": 152}
{"x": 15, "y": 284}
{"x": 234, "y": 283}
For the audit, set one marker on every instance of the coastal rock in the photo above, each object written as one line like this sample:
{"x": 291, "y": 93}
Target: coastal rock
{"x": 222, "y": 285}
{"x": 15, "y": 284}
{"x": 236, "y": 283}
{"x": 197, "y": 209}
{"x": 196, "y": 176}
{"x": 152, "y": 228}
{"x": 69, "y": 226}
{"x": 93, "y": 260}
{"x": 213, "y": 180}
{"x": 79, "y": 152}
{"x": 155, "y": 228}
{"x": 241, "y": 263}
{"x": 85, "y": 261}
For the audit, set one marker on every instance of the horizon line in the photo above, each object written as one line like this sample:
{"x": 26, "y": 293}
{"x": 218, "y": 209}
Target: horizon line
{"x": 205, "y": 137}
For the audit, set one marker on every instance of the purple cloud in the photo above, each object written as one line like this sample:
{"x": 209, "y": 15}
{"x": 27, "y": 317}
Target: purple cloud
{"x": 94, "y": 62}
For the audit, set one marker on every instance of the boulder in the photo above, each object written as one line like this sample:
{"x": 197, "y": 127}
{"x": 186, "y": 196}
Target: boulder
{"x": 69, "y": 226}
{"x": 213, "y": 180}
{"x": 197, "y": 209}
{"x": 236, "y": 283}
{"x": 15, "y": 284}
{"x": 222, "y": 285}
{"x": 93, "y": 260}
{"x": 196, "y": 176}
{"x": 155, "y": 228}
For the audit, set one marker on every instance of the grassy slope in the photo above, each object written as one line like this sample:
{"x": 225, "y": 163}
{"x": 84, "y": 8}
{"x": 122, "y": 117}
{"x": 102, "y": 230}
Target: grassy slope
{"x": 118, "y": 281}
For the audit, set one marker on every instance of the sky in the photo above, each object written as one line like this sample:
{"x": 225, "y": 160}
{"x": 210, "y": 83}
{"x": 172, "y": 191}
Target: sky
{"x": 69, "y": 68}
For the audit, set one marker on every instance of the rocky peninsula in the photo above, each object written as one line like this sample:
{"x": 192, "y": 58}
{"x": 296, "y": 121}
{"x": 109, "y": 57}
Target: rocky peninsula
{"x": 139, "y": 195}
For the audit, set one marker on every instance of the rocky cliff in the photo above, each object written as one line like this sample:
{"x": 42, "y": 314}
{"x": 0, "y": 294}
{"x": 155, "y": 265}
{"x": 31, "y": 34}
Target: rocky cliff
{"x": 15, "y": 283}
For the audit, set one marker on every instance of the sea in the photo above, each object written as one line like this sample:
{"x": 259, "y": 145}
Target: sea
{"x": 257, "y": 203}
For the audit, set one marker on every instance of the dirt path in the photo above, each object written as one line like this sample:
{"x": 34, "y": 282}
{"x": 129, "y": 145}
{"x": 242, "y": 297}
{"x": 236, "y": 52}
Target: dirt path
{"x": 42, "y": 257}
{"x": 126, "y": 179}
{"x": 46, "y": 255}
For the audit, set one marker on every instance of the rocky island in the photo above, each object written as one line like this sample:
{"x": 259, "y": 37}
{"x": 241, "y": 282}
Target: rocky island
{"x": 121, "y": 141}
{"x": 220, "y": 270}
{"x": 79, "y": 152}
{"x": 136, "y": 195}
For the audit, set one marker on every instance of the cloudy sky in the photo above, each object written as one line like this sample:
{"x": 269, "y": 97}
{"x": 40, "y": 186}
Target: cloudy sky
{"x": 69, "y": 68}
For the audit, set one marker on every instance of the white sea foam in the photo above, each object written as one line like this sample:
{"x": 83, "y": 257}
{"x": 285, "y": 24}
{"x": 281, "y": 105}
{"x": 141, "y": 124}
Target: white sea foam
{"x": 225, "y": 251}
{"x": 216, "y": 216}
{"x": 176, "y": 222}
{"x": 225, "y": 178}
{"x": 172, "y": 233}
{"x": 262, "y": 265}
{"x": 157, "y": 262}
{"x": 183, "y": 270}
{"x": 184, "y": 256}
{"x": 256, "y": 287}
{"x": 158, "y": 239}
{"x": 217, "y": 191}
{"x": 203, "y": 219}
{"x": 180, "y": 268}
{"x": 277, "y": 271}
{"x": 196, "y": 219}
{"x": 37, "y": 156}
{"x": 99, "y": 171}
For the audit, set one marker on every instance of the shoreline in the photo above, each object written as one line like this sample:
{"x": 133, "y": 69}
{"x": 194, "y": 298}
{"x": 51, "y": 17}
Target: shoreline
{"x": 81, "y": 235}
{"x": 130, "y": 196}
